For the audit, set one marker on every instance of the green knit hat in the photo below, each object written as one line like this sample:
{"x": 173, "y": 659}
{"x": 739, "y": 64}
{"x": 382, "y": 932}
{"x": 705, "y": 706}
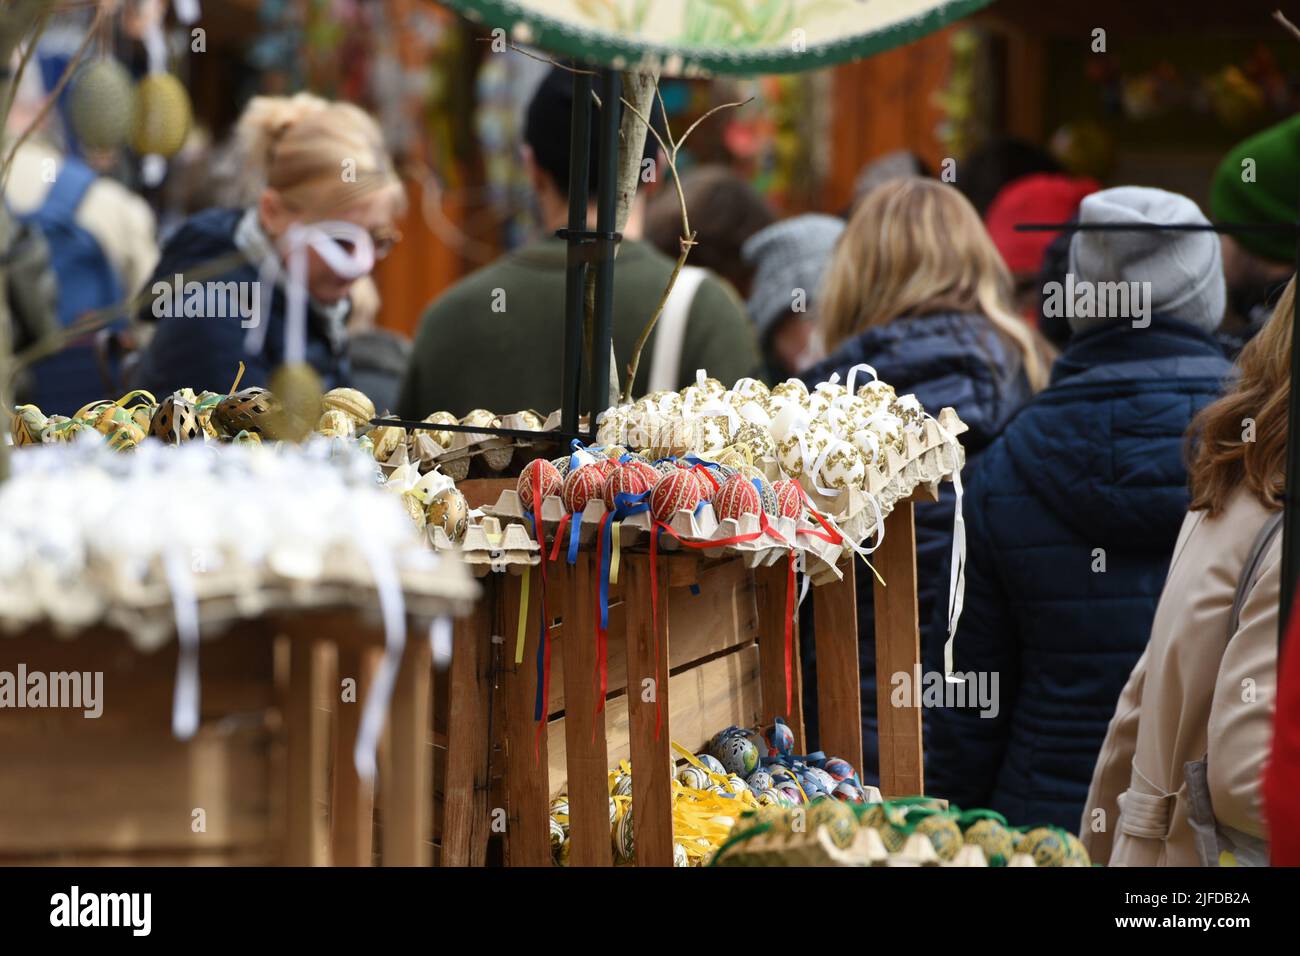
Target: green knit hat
{"x": 1273, "y": 196}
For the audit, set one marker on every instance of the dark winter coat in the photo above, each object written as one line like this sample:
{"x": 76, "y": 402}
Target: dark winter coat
{"x": 1071, "y": 517}
{"x": 205, "y": 352}
{"x": 945, "y": 360}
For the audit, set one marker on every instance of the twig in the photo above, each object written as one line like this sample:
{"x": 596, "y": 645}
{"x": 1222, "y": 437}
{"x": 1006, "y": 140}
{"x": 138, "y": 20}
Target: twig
{"x": 53, "y": 98}
{"x": 1287, "y": 25}
{"x": 22, "y": 63}
{"x": 641, "y": 340}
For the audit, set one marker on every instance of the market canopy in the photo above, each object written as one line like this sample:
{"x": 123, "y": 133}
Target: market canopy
{"x": 690, "y": 37}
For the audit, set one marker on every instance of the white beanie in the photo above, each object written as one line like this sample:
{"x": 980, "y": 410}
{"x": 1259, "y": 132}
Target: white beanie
{"x": 1184, "y": 269}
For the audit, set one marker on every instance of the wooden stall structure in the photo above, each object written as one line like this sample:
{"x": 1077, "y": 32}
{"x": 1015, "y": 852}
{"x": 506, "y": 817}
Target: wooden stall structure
{"x": 267, "y": 779}
{"x": 720, "y": 646}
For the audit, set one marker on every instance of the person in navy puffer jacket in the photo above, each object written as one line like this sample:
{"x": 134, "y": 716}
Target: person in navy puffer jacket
{"x": 1072, "y": 514}
{"x": 917, "y": 290}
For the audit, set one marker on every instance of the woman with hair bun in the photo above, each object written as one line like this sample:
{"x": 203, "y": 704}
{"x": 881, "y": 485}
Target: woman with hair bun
{"x": 308, "y": 160}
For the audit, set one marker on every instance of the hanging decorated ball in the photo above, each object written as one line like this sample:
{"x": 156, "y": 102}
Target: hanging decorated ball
{"x": 627, "y": 480}
{"x": 449, "y": 511}
{"x": 693, "y": 777}
{"x": 711, "y": 763}
{"x": 840, "y": 822}
{"x": 735, "y": 751}
{"x": 839, "y": 769}
{"x": 162, "y": 116}
{"x": 735, "y": 498}
{"x": 759, "y": 780}
{"x": 673, "y": 492}
{"x": 101, "y": 105}
{"x": 539, "y": 469}
{"x": 779, "y": 739}
{"x": 582, "y": 486}
{"x": 993, "y": 838}
{"x": 1047, "y": 845}
{"x": 944, "y": 834}
{"x": 175, "y": 421}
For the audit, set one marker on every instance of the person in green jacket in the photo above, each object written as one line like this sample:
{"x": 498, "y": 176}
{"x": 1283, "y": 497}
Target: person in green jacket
{"x": 495, "y": 340}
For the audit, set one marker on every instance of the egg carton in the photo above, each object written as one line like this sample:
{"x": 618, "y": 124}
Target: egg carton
{"x": 490, "y": 547}
{"x": 928, "y": 459}
{"x": 695, "y": 526}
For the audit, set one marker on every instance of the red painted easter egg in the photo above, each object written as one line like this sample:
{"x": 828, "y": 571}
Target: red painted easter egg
{"x": 581, "y": 486}
{"x": 736, "y": 497}
{"x": 550, "y": 478}
{"x": 674, "y": 492}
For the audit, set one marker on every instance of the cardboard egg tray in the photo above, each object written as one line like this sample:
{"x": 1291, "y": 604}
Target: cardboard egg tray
{"x": 929, "y": 459}
{"x": 821, "y": 559}
{"x": 491, "y": 547}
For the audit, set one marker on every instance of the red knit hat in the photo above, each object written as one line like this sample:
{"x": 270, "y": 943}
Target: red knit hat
{"x": 1040, "y": 197}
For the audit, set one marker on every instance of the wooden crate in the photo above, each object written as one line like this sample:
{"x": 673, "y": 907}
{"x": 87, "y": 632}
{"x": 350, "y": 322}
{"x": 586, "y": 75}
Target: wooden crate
{"x": 721, "y": 645}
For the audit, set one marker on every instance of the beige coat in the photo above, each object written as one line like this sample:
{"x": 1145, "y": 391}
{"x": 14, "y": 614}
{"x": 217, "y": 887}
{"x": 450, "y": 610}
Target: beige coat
{"x": 1193, "y": 691}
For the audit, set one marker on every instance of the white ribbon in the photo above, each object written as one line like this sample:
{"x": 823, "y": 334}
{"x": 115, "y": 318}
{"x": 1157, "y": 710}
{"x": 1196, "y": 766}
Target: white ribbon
{"x": 957, "y": 560}
{"x": 293, "y": 246}
{"x": 440, "y": 641}
{"x": 391, "y": 606}
{"x": 185, "y": 697}
{"x": 187, "y": 11}
{"x": 853, "y": 375}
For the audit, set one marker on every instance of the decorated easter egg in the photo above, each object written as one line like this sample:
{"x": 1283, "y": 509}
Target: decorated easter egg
{"x": 789, "y": 498}
{"x": 839, "y": 769}
{"x": 800, "y": 450}
{"x": 351, "y": 402}
{"x": 162, "y": 116}
{"x": 748, "y": 389}
{"x": 791, "y": 388}
{"x": 840, "y": 822}
{"x": 101, "y": 105}
{"x": 944, "y": 834}
{"x": 836, "y": 420}
{"x": 1078, "y": 853}
{"x": 843, "y": 466}
{"x": 561, "y": 466}
{"x": 735, "y": 751}
{"x": 539, "y": 470}
{"x": 175, "y": 421}
{"x": 559, "y": 809}
{"x": 889, "y": 429}
{"x": 766, "y": 493}
{"x": 735, "y": 784}
{"x": 479, "y": 418}
{"x": 335, "y": 424}
{"x": 559, "y": 833}
{"x": 680, "y": 856}
{"x": 878, "y": 394}
{"x": 27, "y": 424}
{"x": 771, "y": 797}
{"x": 867, "y": 442}
{"x": 615, "y": 808}
{"x": 449, "y": 511}
{"x": 759, "y": 780}
{"x": 251, "y": 409}
{"x": 622, "y": 785}
{"x": 625, "y": 480}
{"x": 823, "y": 780}
{"x": 675, "y": 491}
{"x": 581, "y": 486}
{"x": 736, "y": 497}
{"x": 442, "y": 437}
{"x": 1047, "y": 845}
{"x": 711, "y": 763}
{"x": 778, "y": 738}
{"x": 849, "y": 792}
{"x": 712, "y": 434}
{"x": 793, "y": 793}
{"x": 908, "y": 408}
{"x": 780, "y": 772}
{"x": 693, "y": 777}
{"x": 993, "y": 838}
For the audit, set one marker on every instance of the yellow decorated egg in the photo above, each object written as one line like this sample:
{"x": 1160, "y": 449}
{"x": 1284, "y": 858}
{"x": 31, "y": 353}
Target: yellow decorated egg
{"x": 449, "y": 511}
{"x": 162, "y": 115}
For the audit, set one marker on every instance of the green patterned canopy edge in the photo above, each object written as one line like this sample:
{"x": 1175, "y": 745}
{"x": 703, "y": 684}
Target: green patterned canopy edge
{"x": 758, "y": 34}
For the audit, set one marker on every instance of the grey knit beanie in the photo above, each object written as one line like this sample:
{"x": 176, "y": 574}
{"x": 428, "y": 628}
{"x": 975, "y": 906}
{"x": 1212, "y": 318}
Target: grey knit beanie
{"x": 788, "y": 255}
{"x": 1184, "y": 269}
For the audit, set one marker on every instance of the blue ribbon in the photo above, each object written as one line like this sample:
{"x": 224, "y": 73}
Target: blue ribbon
{"x": 625, "y": 505}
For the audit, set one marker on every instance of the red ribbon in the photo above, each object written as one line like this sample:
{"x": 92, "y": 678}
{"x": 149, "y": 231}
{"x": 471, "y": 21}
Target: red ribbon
{"x": 654, "y": 618}
{"x": 790, "y": 608}
{"x": 545, "y": 635}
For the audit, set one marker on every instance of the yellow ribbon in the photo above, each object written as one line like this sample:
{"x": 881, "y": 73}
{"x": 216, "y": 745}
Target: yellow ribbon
{"x": 523, "y": 615}
{"x": 615, "y": 551}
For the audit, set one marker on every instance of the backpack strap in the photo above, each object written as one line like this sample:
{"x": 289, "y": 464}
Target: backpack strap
{"x": 70, "y": 185}
{"x": 670, "y": 332}
{"x": 1250, "y": 570}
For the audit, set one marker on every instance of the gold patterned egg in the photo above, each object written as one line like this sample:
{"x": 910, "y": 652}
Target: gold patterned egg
{"x": 844, "y": 467}
{"x": 790, "y": 390}
{"x": 27, "y": 424}
{"x": 415, "y": 509}
{"x": 878, "y": 394}
{"x": 387, "y": 439}
{"x": 908, "y": 409}
{"x": 142, "y": 416}
{"x": 449, "y": 511}
{"x": 175, "y": 421}
{"x": 530, "y": 421}
{"x": 868, "y": 445}
{"x": 836, "y": 421}
{"x": 442, "y": 418}
{"x": 162, "y": 115}
{"x": 749, "y": 390}
{"x": 250, "y": 409}
{"x": 336, "y": 423}
{"x": 101, "y": 104}
{"x": 351, "y": 402}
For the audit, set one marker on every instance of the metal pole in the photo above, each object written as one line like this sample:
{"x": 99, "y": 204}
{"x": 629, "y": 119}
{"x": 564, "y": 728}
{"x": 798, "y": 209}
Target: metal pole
{"x": 576, "y": 264}
{"x": 1290, "y": 505}
{"x": 611, "y": 89}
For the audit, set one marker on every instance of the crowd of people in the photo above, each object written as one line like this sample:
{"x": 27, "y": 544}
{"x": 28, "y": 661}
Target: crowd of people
{"x": 1124, "y": 467}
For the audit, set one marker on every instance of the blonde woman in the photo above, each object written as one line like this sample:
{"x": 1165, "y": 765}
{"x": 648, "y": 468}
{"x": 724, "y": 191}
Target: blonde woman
{"x": 1072, "y": 514}
{"x": 1178, "y": 782}
{"x": 916, "y": 289}
{"x": 310, "y": 161}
